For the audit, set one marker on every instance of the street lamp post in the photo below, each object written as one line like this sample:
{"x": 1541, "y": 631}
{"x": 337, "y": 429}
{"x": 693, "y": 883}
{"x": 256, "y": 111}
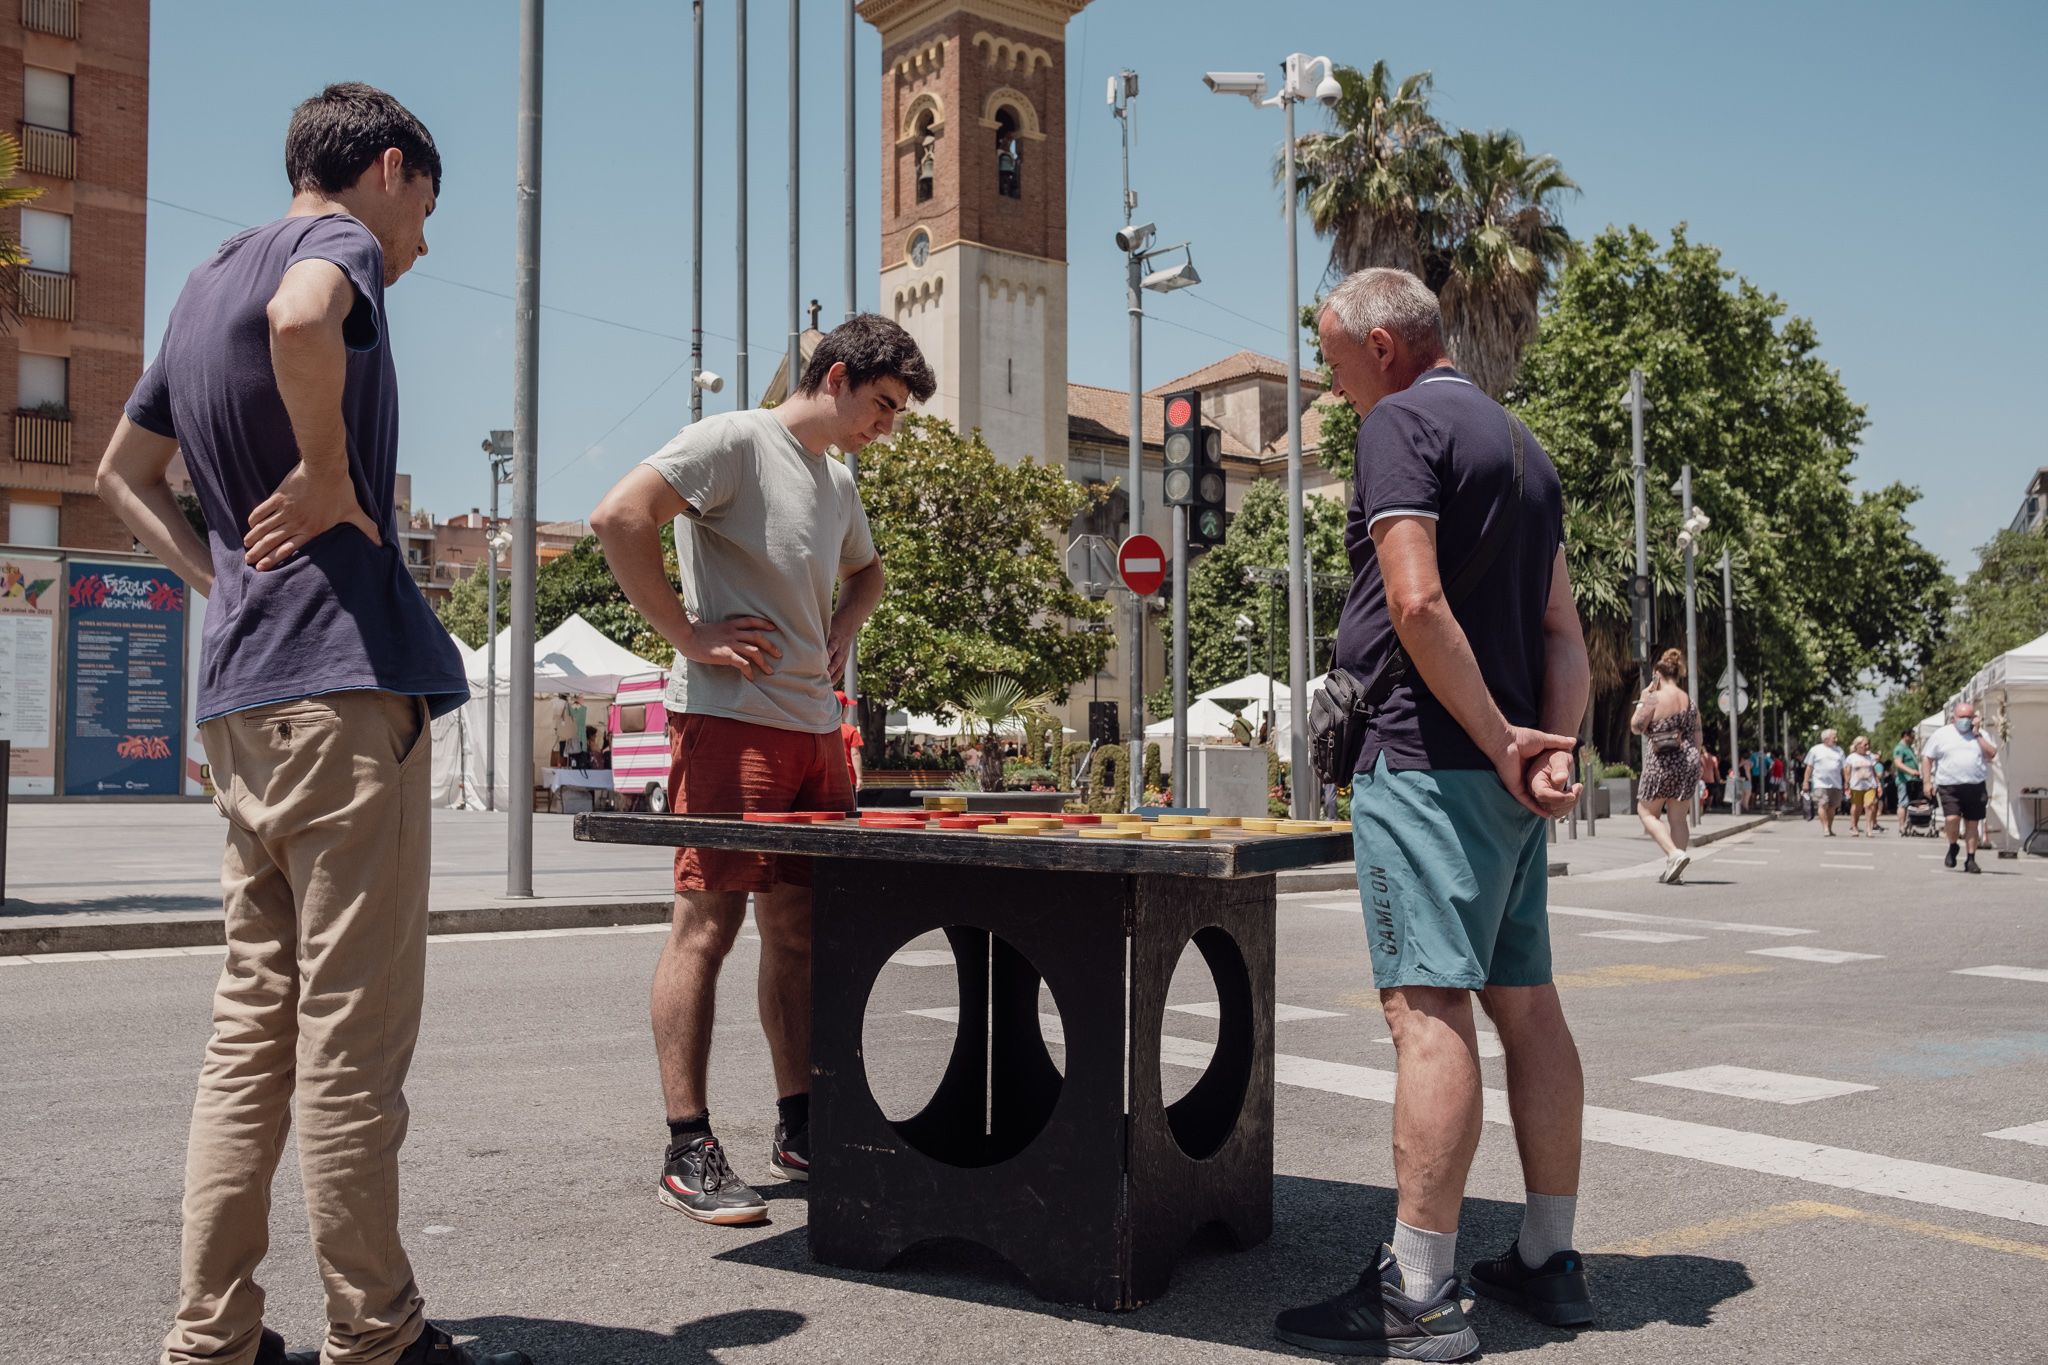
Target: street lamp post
{"x": 498, "y": 446}
{"x": 1639, "y": 589}
{"x": 1294, "y": 88}
{"x": 1734, "y": 676}
{"x": 1695, "y": 522}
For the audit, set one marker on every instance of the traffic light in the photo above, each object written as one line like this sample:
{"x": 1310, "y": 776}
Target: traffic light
{"x": 1206, "y": 517}
{"x": 1183, "y": 446}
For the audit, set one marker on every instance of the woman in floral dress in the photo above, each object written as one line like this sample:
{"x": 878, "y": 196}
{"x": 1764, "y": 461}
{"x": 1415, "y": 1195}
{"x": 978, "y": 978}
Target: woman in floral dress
{"x": 1670, "y": 726}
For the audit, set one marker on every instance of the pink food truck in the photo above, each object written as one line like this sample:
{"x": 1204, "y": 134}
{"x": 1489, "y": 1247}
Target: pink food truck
{"x": 639, "y": 742}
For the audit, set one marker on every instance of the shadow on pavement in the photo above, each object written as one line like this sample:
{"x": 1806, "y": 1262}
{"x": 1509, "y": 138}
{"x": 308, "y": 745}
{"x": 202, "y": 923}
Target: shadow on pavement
{"x": 1319, "y": 1242}
{"x": 161, "y": 904}
{"x": 552, "y": 1342}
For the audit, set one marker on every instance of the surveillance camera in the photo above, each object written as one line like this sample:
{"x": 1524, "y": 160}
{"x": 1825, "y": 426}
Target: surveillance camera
{"x": 707, "y": 381}
{"x": 1328, "y": 92}
{"x": 1243, "y": 622}
{"x": 1250, "y": 84}
{"x": 1134, "y": 238}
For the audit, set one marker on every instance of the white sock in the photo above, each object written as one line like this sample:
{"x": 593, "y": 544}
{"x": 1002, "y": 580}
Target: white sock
{"x": 1428, "y": 1260}
{"x": 1546, "y": 1226}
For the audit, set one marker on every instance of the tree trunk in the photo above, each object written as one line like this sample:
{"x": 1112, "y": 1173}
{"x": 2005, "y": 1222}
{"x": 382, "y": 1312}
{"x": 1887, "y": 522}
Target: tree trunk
{"x": 991, "y": 765}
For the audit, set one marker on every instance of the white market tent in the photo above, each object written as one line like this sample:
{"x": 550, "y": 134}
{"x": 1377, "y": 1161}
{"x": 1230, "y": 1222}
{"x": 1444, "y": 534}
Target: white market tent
{"x": 2011, "y": 696}
{"x": 574, "y": 658}
{"x": 1251, "y": 687}
{"x": 1206, "y": 720}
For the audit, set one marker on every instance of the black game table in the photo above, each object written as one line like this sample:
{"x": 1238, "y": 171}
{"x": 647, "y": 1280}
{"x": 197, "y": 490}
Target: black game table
{"x": 1087, "y": 1182}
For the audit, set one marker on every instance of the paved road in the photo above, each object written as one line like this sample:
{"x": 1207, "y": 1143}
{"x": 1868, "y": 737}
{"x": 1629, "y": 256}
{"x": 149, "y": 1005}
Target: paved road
{"x": 1818, "y": 1073}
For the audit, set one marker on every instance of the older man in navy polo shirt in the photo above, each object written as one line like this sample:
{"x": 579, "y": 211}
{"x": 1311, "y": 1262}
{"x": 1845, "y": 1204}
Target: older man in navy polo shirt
{"x": 1467, "y": 754}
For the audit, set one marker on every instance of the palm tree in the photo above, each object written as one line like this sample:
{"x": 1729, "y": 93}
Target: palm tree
{"x": 998, "y": 704}
{"x": 12, "y": 256}
{"x": 1498, "y": 243}
{"x": 1368, "y": 184}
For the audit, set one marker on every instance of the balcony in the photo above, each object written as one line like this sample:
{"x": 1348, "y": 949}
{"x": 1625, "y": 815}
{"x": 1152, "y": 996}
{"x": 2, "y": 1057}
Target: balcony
{"x": 42, "y": 440}
{"x": 46, "y": 294}
{"x": 59, "y": 17}
{"x": 49, "y": 151}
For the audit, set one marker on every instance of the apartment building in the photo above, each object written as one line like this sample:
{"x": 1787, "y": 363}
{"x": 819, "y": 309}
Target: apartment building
{"x": 74, "y": 88}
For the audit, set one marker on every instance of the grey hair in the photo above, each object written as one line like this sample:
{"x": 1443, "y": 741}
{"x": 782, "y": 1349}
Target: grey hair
{"x": 1391, "y": 299}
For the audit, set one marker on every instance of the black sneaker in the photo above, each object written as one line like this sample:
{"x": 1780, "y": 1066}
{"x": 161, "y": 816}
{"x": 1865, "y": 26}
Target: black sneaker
{"x": 698, "y": 1181}
{"x": 1554, "y": 1292}
{"x": 790, "y": 1158}
{"x": 1950, "y": 860}
{"x": 1970, "y": 864}
{"x": 1377, "y": 1319}
{"x": 431, "y": 1347}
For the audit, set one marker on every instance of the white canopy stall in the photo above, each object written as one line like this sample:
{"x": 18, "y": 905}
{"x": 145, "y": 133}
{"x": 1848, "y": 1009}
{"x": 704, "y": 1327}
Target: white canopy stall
{"x": 2011, "y": 696}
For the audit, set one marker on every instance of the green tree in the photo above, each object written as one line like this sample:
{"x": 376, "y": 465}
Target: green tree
{"x": 1829, "y": 583}
{"x": 995, "y": 706}
{"x": 974, "y": 550}
{"x": 1219, "y": 592}
{"x": 1368, "y": 183}
{"x": 2001, "y": 605}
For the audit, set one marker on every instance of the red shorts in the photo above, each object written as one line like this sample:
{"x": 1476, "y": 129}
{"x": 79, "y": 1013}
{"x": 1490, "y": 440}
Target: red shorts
{"x": 720, "y": 766}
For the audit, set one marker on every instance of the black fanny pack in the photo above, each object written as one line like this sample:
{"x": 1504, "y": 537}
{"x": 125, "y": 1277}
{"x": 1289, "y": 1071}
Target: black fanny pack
{"x": 1344, "y": 708}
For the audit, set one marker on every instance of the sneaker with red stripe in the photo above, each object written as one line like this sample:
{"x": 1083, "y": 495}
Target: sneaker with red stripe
{"x": 700, "y": 1182}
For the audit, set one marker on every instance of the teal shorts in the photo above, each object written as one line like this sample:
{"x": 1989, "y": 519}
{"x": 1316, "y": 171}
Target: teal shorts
{"x": 1453, "y": 876}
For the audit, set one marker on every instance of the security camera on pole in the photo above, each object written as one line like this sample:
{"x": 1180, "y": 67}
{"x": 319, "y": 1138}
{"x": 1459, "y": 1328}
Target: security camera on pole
{"x": 1135, "y": 241}
{"x": 1294, "y": 88}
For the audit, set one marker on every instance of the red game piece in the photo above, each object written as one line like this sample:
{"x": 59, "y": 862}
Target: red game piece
{"x": 821, "y": 817}
{"x": 965, "y": 821}
{"x": 775, "y": 817}
{"x": 1080, "y": 819}
{"x": 890, "y": 822}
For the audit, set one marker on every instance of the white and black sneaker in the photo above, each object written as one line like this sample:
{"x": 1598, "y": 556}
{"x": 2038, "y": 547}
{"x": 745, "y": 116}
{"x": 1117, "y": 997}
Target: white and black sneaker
{"x": 790, "y": 1158}
{"x": 700, "y": 1182}
{"x": 1377, "y": 1319}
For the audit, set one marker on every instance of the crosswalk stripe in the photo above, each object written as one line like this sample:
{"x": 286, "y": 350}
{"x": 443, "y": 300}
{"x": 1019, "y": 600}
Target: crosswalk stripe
{"x": 1677, "y": 921}
{"x": 1800, "y": 952}
{"x": 1282, "y": 1014}
{"x": 2036, "y": 1133}
{"x": 2007, "y": 973}
{"x": 1841, "y": 1168}
{"x": 1643, "y": 936}
{"x": 1747, "y": 1083}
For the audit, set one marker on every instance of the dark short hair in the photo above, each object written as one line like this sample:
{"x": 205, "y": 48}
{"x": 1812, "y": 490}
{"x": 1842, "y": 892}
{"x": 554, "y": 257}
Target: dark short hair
{"x": 337, "y": 134}
{"x": 870, "y": 347}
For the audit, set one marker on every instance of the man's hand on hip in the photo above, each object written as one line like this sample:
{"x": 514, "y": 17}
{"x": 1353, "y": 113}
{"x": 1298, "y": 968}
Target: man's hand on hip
{"x": 736, "y": 642}
{"x": 305, "y": 505}
{"x": 1551, "y": 784}
{"x": 1513, "y": 755}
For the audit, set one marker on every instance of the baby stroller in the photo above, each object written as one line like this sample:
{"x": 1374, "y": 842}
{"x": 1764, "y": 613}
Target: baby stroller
{"x": 1919, "y": 812}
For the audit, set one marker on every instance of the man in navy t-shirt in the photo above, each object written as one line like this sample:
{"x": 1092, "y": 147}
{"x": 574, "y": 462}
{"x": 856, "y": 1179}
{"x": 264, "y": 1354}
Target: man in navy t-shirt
{"x": 319, "y": 670}
{"x": 1468, "y": 754}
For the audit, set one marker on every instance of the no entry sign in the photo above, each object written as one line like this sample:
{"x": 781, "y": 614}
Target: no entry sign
{"x": 1141, "y": 563}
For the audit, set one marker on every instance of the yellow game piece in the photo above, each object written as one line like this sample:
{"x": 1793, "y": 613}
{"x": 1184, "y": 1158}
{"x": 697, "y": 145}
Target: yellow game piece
{"x": 1337, "y": 826}
{"x": 1261, "y": 824}
{"x": 1122, "y": 818}
{"x": 1176, "y": 819}
{"x": 1110, "y": 832}
{"x": 1012, "y": 829}
{"x": 1176, "y": 832}
{"x": 934, "y": 803}
{"x": 958, "y": 803}
{"x": 1223, "y": 821}
{"x": 1300, "y": 827}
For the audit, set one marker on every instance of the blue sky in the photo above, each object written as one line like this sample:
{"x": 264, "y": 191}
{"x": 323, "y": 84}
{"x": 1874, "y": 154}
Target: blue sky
{"x": 1877, "y": 165}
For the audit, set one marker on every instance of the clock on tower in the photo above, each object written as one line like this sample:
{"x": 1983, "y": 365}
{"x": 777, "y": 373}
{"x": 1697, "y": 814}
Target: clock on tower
{"x": 974, "y": 218}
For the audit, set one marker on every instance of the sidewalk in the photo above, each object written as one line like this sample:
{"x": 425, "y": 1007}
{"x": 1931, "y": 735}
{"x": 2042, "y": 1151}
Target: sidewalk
{"x": 104, "y": 878}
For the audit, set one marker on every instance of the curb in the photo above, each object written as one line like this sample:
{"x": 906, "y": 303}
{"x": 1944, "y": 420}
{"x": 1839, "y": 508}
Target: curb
{"x": 50, "y": 934}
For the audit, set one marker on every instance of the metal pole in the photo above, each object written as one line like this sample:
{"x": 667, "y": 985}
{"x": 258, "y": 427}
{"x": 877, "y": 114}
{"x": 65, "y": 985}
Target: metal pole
{"x": 739, "y": 366}
{"x": 697, "y": 215}
{"x": 1134, "y": 304}
{"x": 796, "y": 325}
{"x": 1734, "y": 678}
{"x": 1635, "y": 422}
{"x": 1181, "y": 774}
{"x": 1300, "y": 779}
{"x": 1692, "y": 629}
{"x": 525, "y": 445}
{"x": 851, "y": 682}
{"x": 491, "y": 648}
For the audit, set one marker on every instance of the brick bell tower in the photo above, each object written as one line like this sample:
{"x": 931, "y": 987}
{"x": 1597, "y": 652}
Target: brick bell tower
{"x": 974, "y": 208}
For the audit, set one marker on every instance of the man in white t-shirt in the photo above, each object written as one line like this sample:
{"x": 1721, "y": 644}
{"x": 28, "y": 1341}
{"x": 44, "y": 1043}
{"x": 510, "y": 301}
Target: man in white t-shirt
{"x": 1957, "y": 764}
{"x": 1824, "y": 779}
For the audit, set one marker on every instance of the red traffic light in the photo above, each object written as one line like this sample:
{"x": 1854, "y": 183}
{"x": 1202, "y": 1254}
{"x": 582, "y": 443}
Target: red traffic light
{"x": 1179, "y": 412}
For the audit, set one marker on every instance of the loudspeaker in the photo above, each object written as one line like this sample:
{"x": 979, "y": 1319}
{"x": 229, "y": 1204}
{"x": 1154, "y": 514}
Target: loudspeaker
{"x": 1102, "y": 723}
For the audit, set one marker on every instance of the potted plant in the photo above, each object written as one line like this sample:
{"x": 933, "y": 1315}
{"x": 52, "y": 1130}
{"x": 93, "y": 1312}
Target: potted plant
{"x": 995, "y": 704}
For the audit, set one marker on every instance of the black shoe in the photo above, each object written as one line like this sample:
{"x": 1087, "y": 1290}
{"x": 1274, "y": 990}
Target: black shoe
{"x": 790, "y": 1158}
{"x": 436, "y": 1347}
{"x": 1554, "y": 1292}
{"x": 1950, "y": 860}
{"x": 1970, "y": 864}
{"x": 1377, "y": 1319}
{"x": 270, "y": 1351}
{"x": 698, "y": 1181}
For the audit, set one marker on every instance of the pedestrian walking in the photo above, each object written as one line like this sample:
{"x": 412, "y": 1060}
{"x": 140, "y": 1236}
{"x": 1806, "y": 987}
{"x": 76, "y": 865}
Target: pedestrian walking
{"x": 1759, "y": 779}
{"x": 1860, "y": 772}
{"x": 1461, "y": 624}
{"x": 1958, "y": 759}
{"x": 1710, "y": 774}
{"x": 1670, "y": 726}
{"x": 1824, "y": 779}
{"x": 1906, "y": 775}
{"x": 767, "y": 523}
{"x": 849, "y": 737}
{"x": 1777, "y": 780}
{"x": 320, "y": 668}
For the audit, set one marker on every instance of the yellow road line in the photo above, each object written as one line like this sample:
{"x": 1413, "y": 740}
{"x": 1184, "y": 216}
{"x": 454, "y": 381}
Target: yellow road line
{"x": 1804, "y": 1211}
{"x": 1647, "y": 973}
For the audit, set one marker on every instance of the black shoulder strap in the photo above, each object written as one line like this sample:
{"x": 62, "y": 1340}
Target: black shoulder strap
{"x": 1460, "y": 587}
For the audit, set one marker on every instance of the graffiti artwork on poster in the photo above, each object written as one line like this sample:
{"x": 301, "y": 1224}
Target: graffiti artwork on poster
{"x": 125, "y": 632}
{"x": 29, "y": 591}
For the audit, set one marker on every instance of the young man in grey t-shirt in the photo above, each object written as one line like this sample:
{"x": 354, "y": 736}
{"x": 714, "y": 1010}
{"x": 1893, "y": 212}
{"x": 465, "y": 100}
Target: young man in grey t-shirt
{"x": 766, "y": 523}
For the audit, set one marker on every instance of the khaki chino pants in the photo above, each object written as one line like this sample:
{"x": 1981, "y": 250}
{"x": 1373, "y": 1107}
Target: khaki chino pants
{"x": 318, "y": 1007}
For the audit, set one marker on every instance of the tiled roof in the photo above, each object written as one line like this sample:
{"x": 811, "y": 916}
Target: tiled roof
{"x": 1103, "y": 417}
{"x": 1243, "y": 365}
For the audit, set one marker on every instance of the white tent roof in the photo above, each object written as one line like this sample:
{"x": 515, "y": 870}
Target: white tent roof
{"x": 1251, "y": 687}
{"x": 2023, "y": 666}
{"x": 573, "y": 657}
{"x": 1206, "y": 720}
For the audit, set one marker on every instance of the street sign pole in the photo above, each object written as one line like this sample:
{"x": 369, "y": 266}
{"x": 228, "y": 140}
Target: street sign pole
{"x": 1734, "y": 677}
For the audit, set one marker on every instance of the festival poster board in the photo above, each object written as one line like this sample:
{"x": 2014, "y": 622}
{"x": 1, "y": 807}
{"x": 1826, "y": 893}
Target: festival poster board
{"x": 124, "y": 681}
{"x": 29, "y": 592}
{"x": 198, "y": 773}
